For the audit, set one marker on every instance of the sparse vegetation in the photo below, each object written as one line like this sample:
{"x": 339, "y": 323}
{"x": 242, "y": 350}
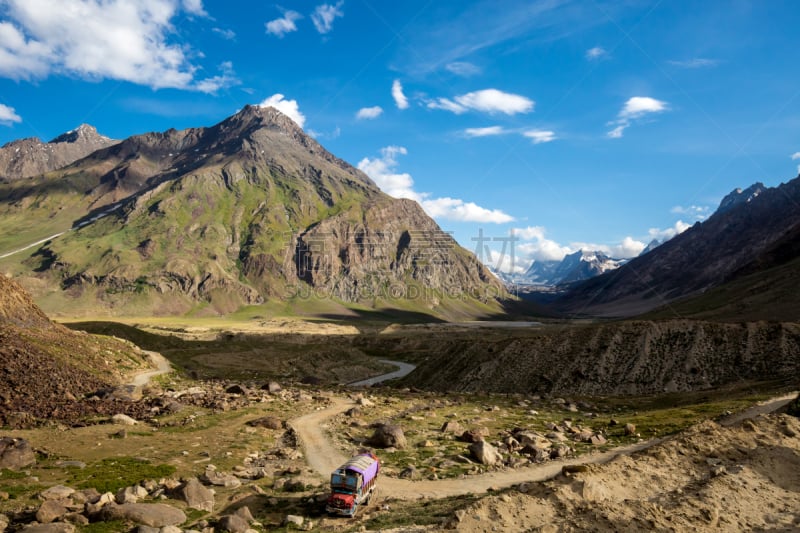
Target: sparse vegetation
{"x": 112, "y": 474}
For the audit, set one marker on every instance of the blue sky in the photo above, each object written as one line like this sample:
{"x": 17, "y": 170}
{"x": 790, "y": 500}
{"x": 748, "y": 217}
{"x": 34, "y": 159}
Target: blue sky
{"x": 578, "y": 124}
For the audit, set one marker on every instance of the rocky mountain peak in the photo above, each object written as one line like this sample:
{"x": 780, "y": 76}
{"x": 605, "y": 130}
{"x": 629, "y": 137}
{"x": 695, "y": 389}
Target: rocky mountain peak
{"x": 740, "y": 196}
{"x": 83, "y": 133}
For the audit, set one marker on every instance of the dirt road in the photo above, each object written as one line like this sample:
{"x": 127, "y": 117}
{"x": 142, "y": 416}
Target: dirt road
{"x": 403, "y": 369}
{"x": 323, "y": 457}
{"x": 162, "y": 367}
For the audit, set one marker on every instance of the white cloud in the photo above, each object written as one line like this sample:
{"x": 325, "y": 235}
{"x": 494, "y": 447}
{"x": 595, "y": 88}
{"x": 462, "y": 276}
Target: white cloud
{"x": 369, "y": 112}
{"x": 400, "y": 99}
{"x": 225, "y": 33}
{"x": 668, "y": 233}
{"x": 121, "y": 40}
{"x": 697, "y": 212}
{"x": 596, "y": 53}
{"x": 195, "y": 7}
{"x": 401, "y": 185}
{"x": 540, "y": 136}
{"x": 325, "y": 14}
{"x": 456, "y": 209}
{"x": 287, "y": 107}
{"x": 535, "y": 246}
{"x": 286, "y": 24}
{"x": 8, "y": 115}
{"x": 487, "y": 100}
{"x": 635, "y": 108}
{"x": 629, "y": 247}
{"x": 485, "y": 132}
{"x": 227, "y": 78}
{"x": 795, "y": 156}
{"x": 696, "y": 62}
{"x": 463, "y": 68}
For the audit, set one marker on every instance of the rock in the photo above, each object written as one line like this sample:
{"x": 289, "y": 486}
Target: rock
{"x": 426, "y": 444}
{"x": 57, "y": 527}
{"x": 149, "y": 514}
{"x": 127, "y": 393}
{"x": 124, "y": 420}
{"x": 130, "y": 494}
{"x": 363, "y": 402}
{"x": 293, "y": 519}
{"x": 409, "y": 472}
{"x": 474, "y": 435}
{"x": 57, "y": 492}
{"x": 451, "y": 426}
{"x": 353, "y": 412}
{"x": 388, "y": 435}
{"x": 269, "y": 422}
{"x": 121, "y": 434}
{"x": 485, "y": 453}
{"x": 236, "y": 389}
{"x": 212, "y": 477}
{"x": 50, "y": 511}
{"x": 147, "y": 529}
{"x": 598, "y": 440}
{"x": 245, "y": 513}
{"x": 536, "y": 453}
{"x": 170, "y": 529}
{"x": 630, "y": 429}
{"x": 15, "y": 453}
{"x": 556, "y": 436}
{"x": 613, "y": 422}
{"x": 273, "y": 387}
{"x": 196, "y": 495}
{"x": 233, "y": 524}
{"x": 559, "y": 452}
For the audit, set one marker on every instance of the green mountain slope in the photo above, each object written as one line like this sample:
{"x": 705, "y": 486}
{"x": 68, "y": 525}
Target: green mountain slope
{"x": 245, "y": 213}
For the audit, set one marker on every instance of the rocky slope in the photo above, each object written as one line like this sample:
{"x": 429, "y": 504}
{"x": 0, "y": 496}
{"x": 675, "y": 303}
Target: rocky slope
{"x": 30, "y": 157}
{"x": 48, "y": 370}
{"x": 710, "y": 478}
{"x": 751, "y": 223}
{"x": 241, "y": 213}
{"x": 627, "y": 358}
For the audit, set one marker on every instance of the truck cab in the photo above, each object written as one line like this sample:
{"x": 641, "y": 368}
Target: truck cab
{"x": 353, "y": 484}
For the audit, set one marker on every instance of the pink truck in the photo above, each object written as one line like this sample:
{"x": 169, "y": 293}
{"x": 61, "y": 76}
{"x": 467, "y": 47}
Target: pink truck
{"x": 353, "y": 484}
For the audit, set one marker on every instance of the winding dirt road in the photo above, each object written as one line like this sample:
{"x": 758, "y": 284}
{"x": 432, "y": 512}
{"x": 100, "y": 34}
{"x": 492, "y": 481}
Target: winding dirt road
{"x": 163, "y": 366}
{"x": 323, "y": 457}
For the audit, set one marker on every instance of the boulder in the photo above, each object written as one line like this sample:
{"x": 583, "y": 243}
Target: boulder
{"x": 485, "y": 453}
{"x": 236, "y": 389}
{"x": 273, "y": 387}
{"x": 149, "y": 514}
{"x": 409, "y": 472}
{"x": 293, "y": 519}
{"x": 196, "y": 495}
{"x": 269, "y": 422}
{"x": 50, "y": 511}
{"x": 124, "y": 420}
{"x": 212, "y": 477}
{"x": 15, "y": 453}
{"x": 474, "y": 435}
{"x": 598, "y": 440}
{"x": 451, "y": 426}
{"x": 388, "y": 436}
{"x": 630, "y": 429}
{"x": 130, "y": 494}
{"x": 57, "y": 492}
{"x": 233, "y": 524}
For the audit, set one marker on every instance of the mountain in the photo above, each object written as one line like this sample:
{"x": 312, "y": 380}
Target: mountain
{"x": 739, "y": 196}
{"x": 735, "y": 241}
{"x": 30, "y": 157}
{"x": 655, "y": 243}
{"x": 249, "y": 212}
{"x": 574, "y": 267}
{"x": 49, "y": 370}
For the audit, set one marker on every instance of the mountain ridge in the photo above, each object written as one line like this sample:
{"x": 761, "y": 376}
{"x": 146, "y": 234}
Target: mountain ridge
{"x": 223, "y": 216}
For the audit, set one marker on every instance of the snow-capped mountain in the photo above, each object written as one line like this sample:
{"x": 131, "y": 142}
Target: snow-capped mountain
{"x": 574, "y": 267}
